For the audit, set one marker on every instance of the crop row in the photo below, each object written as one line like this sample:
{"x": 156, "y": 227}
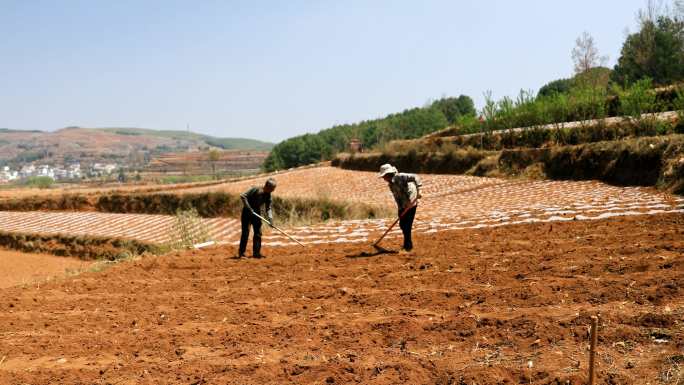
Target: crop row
{"x": 449, "y": 203}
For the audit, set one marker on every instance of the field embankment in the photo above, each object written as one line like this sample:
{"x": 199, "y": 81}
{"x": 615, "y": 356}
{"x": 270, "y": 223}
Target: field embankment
{"x": 646, "y": 161}
{"x": 219, "y": 204}
{"x": 82, "y": 247}
{"x": 555, "y": 134}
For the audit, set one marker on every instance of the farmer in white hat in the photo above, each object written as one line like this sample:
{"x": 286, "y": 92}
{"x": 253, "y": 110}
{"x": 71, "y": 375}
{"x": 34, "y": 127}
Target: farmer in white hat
{"x": 252, "y": 200}
{"x": 405, "y": 188}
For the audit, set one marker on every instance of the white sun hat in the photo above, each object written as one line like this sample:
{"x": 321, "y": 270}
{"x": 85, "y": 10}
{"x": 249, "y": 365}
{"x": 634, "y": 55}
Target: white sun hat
{"x": 387, "y": 169}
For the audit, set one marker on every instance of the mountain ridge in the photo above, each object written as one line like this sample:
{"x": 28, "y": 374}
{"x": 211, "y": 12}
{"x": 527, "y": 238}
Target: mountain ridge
{"x": 119, "y": 144}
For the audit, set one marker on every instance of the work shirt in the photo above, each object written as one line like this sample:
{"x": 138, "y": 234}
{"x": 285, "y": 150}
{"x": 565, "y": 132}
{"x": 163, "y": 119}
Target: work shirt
{"x": 404, "y": 187}
{"x": 255, "y": 197}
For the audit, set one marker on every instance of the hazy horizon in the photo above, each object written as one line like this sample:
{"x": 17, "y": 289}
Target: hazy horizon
{"x": 272, "y": 70}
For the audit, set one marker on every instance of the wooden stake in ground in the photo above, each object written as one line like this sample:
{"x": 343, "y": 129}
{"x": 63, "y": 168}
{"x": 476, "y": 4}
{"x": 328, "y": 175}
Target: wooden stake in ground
{"x": 592, "y": 350}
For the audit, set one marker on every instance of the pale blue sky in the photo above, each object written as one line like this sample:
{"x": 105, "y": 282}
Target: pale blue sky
{"x": 274, "y": 69}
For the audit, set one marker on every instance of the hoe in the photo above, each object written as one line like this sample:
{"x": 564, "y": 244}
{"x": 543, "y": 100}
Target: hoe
{"x": 281, "y": 231}
{"x": 376, "y": 245}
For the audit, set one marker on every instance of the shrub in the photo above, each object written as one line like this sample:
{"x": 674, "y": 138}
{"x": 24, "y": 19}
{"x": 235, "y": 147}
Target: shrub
{"x": 188, "y": 229}
{"x": 41, "y": 182}
{"x": 638, "y": 99}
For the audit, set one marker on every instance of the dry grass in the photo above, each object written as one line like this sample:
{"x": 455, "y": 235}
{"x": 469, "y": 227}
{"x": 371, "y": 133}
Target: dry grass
{"x": 188, "y": 230}
{"x": 300, "y": 211}
{"x": 672, "y": 371}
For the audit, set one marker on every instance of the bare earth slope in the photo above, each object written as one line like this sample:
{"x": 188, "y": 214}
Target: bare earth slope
{"x": 497, "y": 305}
{"x": 115, "y": 143}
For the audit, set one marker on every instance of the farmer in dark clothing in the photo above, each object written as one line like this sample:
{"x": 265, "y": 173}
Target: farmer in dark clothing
{"x": 405, "y": 188}
{"x": 253, "y": 199}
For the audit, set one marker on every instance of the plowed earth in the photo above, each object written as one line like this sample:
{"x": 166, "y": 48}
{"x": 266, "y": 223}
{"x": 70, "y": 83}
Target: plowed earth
{"x": 497, "y": 305}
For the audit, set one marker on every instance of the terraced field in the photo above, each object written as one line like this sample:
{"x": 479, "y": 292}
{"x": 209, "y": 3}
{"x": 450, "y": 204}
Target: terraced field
{"x": 450, "y": 202}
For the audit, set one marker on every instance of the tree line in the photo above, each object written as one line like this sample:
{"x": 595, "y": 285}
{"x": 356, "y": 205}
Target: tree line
{"x": 411, "y": 123}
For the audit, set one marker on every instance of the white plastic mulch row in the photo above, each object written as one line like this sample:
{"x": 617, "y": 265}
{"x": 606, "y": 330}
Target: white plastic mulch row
{"x": 450, "y": 202}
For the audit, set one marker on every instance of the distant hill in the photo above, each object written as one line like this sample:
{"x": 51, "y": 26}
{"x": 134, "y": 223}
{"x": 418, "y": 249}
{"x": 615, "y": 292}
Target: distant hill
{"x": 9, "y": 130}
{"x": 224, "y": 143}
{"x": 133, "y": 146}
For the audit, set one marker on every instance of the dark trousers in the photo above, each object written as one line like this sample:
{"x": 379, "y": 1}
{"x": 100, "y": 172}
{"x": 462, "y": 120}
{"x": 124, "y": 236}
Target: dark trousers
{"x": 406, "y": 223}
{"x": 248, "y": 219}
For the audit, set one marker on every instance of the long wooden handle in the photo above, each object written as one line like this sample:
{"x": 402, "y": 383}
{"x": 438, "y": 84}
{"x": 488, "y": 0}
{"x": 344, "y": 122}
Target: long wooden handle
{"x": 413, "y": 204}
{"x": 281, "y": 231}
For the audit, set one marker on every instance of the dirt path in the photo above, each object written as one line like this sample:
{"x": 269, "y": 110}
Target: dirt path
{"x": 496, "y": 305}
{"x": 23, "y": 268}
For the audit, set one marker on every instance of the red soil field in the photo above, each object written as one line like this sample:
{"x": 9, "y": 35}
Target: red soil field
{"x": 498, "y": 305}
{"x": 24, "y": 268}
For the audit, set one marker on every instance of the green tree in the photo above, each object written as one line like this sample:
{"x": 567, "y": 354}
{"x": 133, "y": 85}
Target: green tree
{"x": 454, "y": 108}
{"x": 41, "y": 182}
{"x": 411, "y": 123}
{"x": 558, "y": 86}
{"x": 656, "y": 52}
{"x": 214, "y": 156}
{"x": 595, "y": 77}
